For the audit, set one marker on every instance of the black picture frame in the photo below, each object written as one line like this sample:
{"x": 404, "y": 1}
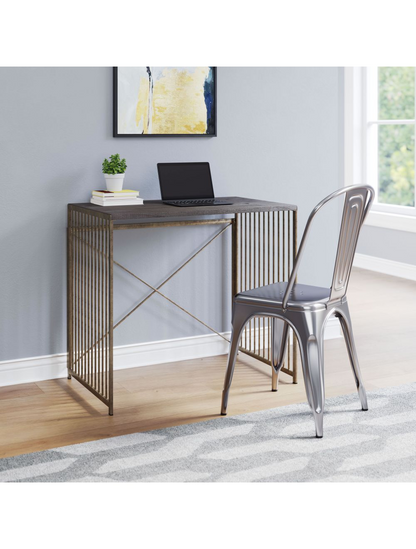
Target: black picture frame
{"x": 115, "y": 114}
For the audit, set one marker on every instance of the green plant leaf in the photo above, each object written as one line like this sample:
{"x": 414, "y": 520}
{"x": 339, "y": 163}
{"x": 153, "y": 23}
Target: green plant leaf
{"x": 115, "y": 165}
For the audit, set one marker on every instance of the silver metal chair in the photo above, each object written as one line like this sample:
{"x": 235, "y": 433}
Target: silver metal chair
{"x": 307, "y": 308}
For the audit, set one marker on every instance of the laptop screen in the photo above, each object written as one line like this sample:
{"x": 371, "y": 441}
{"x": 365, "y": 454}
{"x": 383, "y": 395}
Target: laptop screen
{"x": 181, "y": 180}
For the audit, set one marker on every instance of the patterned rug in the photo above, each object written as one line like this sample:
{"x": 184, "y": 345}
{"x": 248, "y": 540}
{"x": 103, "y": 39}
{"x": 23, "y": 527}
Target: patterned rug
{"x": 271, "y": 446}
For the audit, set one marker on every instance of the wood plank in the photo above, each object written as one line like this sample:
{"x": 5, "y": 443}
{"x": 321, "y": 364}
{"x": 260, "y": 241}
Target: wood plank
{"x": 156, "y": 209}
{"x": 19, "y": 391}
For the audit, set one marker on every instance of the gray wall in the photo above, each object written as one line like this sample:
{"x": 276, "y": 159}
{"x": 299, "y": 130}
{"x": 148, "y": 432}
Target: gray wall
{"x": 388, "y": 244}
{"x": 279, "y": 138}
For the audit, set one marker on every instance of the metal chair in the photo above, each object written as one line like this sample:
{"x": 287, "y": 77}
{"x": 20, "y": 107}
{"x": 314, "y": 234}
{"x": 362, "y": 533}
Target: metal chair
{"x": 307, "y": 308}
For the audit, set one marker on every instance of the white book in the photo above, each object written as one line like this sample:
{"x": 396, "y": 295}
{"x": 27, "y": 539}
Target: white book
{"x": 114, "y": 202}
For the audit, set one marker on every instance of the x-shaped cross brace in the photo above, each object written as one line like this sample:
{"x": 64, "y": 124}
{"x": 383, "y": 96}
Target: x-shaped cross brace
{"x": 227, "y": 222}
{"x": 157, "y": 289}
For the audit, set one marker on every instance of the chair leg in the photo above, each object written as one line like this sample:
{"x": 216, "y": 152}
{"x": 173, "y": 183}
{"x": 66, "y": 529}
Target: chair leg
{"x": 311, "y": 343}
{"x": 280, "y": 332}
{"x": 345, "y": 321}
{"x": 240, "y": 318}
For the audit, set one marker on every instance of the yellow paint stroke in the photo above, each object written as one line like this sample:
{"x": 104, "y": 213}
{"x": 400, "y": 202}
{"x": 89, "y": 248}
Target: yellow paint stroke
{"x": 142, "y": 109}
{"x": 178, "y": 103}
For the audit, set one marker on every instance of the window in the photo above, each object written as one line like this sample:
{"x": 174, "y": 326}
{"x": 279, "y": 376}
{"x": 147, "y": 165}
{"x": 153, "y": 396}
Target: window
{"x": 388, "y": 137}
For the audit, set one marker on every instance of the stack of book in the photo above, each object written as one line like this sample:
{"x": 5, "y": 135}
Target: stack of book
{"x": 116, "y": 198}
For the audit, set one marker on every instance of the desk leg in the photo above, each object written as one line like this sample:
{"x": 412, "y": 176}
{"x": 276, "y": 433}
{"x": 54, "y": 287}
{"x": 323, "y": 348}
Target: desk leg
{"x": 90, "y": 301}
{"x": 235, "y": 256}
{"x": 69, "y": 294}
{"x": 263, "y": 250}
{"x": 110, "y": 321}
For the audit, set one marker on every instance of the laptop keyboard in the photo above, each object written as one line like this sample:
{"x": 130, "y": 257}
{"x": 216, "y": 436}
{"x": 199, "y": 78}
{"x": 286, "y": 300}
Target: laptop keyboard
{"x": 197, "y": 202}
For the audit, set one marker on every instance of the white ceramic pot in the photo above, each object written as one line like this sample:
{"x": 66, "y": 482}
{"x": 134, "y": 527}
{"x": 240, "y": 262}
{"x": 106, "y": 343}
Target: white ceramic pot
{"x": 114, "y": 182}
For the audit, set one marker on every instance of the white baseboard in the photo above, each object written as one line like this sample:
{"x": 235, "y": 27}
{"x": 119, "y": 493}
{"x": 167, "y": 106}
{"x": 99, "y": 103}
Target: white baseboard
{"x": 385, "y": 266}
{"x": 332, "y": 328}
{"x": 29, "y": 370}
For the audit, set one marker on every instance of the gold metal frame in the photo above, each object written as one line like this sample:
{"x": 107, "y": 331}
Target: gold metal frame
{"x": 263, "y": 251}
{"x": 265, "y": 248}
{"x": 90, "y": 301}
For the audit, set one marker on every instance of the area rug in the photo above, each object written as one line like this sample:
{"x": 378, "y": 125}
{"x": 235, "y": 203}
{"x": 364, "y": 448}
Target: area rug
{"x": 270, "y": 446}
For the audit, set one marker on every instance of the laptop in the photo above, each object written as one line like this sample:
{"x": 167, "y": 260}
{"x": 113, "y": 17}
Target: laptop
{"x": 187, "y": 184}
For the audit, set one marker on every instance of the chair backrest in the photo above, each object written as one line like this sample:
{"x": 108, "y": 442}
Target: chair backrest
{"x": 357, "y": 203}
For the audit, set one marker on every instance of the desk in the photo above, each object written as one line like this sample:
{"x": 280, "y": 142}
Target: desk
{"x": 263, "y": 247}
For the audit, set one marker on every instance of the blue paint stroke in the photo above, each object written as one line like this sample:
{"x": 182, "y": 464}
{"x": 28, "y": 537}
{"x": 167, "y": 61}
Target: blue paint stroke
{"x": 209, "y": 96}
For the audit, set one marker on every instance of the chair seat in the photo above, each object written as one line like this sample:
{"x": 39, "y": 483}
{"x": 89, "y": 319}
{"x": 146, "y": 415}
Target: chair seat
{"x": 302, "y": 296}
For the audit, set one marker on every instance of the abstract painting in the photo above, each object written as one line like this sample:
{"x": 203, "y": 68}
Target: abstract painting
{"x": 164, "y": 101}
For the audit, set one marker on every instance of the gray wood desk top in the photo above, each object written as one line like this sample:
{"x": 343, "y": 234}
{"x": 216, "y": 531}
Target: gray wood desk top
{"x": 156, "y": 209}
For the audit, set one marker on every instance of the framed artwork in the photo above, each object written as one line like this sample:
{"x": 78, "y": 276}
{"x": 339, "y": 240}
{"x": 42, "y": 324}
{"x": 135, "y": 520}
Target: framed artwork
{"x": 165, "y": 101}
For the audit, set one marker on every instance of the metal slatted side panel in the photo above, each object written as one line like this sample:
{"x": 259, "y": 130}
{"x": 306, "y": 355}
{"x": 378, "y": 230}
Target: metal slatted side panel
{"x": 90, "y": 283}
{"x": 266, "y": 244}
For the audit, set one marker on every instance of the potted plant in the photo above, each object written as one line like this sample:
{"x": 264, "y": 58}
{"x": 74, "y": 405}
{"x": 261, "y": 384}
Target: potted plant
{"x": 114, "y": 171}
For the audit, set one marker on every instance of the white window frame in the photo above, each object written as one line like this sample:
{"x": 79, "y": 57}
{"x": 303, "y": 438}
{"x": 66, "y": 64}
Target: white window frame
{"x": 360, "y": 136}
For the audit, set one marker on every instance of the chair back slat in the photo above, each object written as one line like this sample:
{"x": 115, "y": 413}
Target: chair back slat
{"x": 355, "y": 203}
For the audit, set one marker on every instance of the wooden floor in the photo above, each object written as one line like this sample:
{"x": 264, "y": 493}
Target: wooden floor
{"x": 48, "y": 414}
